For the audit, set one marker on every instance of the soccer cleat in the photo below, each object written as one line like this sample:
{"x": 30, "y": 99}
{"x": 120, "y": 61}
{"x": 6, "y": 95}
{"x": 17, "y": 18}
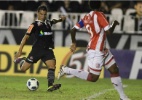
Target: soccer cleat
{"x": 53, "y": 87}
{"x": 18, "y": 60}
{"x": 61, "y": 72}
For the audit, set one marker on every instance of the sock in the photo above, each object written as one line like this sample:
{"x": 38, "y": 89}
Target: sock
{"x": 78, "y": 73}
{"x": 117, "y": 83}
{"x": 21, "y": 63}
{"x": 51, "y": 76}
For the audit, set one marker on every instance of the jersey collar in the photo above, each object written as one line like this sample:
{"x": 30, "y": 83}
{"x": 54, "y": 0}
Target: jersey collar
{"x": 41, "y": 21}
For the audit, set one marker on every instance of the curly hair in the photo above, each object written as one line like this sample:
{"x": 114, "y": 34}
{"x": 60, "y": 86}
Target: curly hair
{"x": 94, "y": 4}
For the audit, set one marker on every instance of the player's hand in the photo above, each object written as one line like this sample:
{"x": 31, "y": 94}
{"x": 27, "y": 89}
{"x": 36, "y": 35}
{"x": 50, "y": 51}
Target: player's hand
{"x": 18, "y": 54}
{"x": 73, "y": 47}
{"x": 63, "y": 18}
{"x": 116, "y": 22}
{"x": 54, "y": 20}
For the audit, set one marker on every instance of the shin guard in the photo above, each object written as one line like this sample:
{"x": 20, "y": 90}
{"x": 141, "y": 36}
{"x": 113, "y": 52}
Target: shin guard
{"x": 51, "y": 77}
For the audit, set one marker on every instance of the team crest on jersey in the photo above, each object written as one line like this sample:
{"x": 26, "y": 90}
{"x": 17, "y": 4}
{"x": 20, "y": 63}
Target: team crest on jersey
{"x": 39, "y": 23}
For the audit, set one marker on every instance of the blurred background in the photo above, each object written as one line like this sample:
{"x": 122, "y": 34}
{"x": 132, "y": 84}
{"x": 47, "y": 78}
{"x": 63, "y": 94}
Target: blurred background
{"x": 125, "y": 43}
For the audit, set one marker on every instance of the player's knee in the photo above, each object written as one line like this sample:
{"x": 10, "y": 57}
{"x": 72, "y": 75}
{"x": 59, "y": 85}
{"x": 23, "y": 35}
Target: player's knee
{"x": 92, "y": 77}
{"x": 114, "y": 69}
{"x": 51, "y": 67}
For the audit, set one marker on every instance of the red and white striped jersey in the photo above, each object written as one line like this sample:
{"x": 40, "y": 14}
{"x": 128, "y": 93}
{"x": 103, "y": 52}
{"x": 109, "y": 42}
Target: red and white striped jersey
{"x": 96, "y": 24}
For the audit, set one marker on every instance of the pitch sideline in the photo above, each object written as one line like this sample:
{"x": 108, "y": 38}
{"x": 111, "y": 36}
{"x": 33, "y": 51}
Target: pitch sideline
{"x": 100, "y": 93}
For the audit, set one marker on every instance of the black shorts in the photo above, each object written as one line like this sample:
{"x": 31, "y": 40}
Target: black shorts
{"x": 38, "y": 53}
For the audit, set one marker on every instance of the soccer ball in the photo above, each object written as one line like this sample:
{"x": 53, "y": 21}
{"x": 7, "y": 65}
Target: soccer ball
{"x": 32, "y": 84}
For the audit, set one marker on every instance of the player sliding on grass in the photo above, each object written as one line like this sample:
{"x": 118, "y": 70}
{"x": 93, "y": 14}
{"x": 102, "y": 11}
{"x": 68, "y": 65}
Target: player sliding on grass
{"x": 98, "y": 55}
{"x": 43, "y": 46}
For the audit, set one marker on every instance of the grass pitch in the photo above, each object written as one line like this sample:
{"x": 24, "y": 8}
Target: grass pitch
{"x": 14, "y": 88}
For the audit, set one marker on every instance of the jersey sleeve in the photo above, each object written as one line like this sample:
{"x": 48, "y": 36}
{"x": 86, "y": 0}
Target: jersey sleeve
{"x": 103, "y": 21}
{"x": 79, "y": 25}
{"x": 50, "y": 22}
{"x": 30, "y": 29}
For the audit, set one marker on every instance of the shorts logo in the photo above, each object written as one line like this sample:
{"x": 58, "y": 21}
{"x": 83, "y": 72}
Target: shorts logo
{"x": 97, "y": 65}
{"x": 31, "y": 57}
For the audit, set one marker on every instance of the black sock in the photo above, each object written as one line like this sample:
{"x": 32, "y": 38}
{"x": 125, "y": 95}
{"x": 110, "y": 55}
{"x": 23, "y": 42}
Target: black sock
{"x": 51, "y": 76}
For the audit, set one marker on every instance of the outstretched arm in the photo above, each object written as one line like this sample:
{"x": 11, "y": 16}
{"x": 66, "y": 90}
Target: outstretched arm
{"x": 61, "y": 19}
{"x": 30, "y": 30}
{"x": 113, "y": 25}
{"x": 73, "y": 34}
{"x": 18, "y": 54}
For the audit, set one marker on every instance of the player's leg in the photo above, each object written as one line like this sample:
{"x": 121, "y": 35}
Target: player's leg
{"x": 24, "y": 65}
{"x": 51, "y": 76}
{"x": 110, "y": 64}
{"x": 85, "y": 75}
{"x": 33, "y": 57}
{"x": 51, "y": 71}
{"x": 50, "y": 61}
{"x": 95, "y": 62}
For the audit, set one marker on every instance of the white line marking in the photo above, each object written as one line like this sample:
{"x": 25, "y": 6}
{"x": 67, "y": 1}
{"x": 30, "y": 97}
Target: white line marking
{"x": 100, "y": 93}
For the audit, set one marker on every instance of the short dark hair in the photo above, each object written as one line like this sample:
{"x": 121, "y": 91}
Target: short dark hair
{"x": 42, "y": 7}
{"x": 136, "y": 2}
{"x": 94, "y": 4}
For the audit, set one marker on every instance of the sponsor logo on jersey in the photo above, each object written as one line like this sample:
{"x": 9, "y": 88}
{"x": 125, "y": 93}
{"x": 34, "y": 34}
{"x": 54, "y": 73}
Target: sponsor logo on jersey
{"x": 45, "y": 33}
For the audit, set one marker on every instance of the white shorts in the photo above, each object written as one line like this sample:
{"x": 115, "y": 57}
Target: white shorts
{"x": 96, "y": 60}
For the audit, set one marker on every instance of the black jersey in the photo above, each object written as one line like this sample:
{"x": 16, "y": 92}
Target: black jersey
{"x": 43, "y": 34}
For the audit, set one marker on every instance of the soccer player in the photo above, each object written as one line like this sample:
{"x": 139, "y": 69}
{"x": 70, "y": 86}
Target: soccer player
{"x": 97, "y": 53}
{"x": 42, "y": 47}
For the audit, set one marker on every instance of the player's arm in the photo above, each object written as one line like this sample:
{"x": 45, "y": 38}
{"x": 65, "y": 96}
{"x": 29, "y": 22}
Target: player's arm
{"x": 61, "y": 19}
{"x": 73, "y": 34}
{"x": 73, "y": 31}
{"x": 112, "y": 27}
{"x": 24, "y": 40}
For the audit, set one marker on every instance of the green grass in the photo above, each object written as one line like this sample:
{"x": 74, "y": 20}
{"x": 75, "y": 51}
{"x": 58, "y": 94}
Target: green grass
{"x": 14, "y": 88}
